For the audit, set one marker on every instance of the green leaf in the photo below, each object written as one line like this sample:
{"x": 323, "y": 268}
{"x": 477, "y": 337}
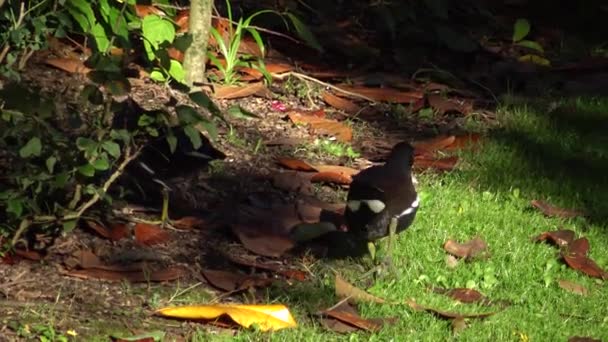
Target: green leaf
{"x": 201, "y": 99}
{"x": 68, "y": 226}
{"x": 187, "y": 115}
{"x": 85, "y": 144}
{"x": 156, "y": 31}
{"x": 194, "y": 135}
{"x": 15, "y": 206}
{"x": 32, "y": 148}
{"x": 176, "y": 70}
{"x": 172, "y": 141}
{"x": 157, "y": 75}
{"x": 530, "y": 44}
{"x": 50, "y": 164}
{"x": 112, "y": 148}
{"x": 145, "y": 120}
{"x": 304, "y": 32}
{"x": 101, "y": 163}
{"x": 120, "y": 134}
{"x": 87, "y": 170}
{"x": 211, "y": 128}
{"x": 241, "y": 113}
{"x": 521, "y": 28}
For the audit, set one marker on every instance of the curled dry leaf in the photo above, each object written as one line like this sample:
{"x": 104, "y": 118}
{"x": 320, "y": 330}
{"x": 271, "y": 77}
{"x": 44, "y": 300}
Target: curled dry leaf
{"x": 561, "y": 237}
{"x": 340, "y": 103}
{"x": 232, "y": 282}
{"x": 267, "y": 317}
{"x": 551, "y": 210}
{"x": 295, "y": 164}
{"x": 235, "y": 92}
{"x": 575, "y": 255}
{"x": 71, "y": 65}
{"x": 463, "y": 295}
{"x": 346, "y": 290}
{"x": 331, "y": 177}
{"x": 166, "y": 274}
{"x": 446, "y": 314}
{"x": 189, "y": 223}
{"x": 148, "y": 234}
{"x": 467, "y": 250}
{"x": 345, "y": 313}
{"x": 573, "y": 287}
{"x": 432, "y": 145}
{"x": 262, "y": 244}
{"x": 323, "y": 126}
{"x": 386, "y": 94}
{"x": 444, "y": 105}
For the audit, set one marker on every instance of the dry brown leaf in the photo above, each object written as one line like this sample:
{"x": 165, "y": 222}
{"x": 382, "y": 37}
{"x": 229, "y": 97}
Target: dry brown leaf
{"x": 148, "y": 234}
{"x": 583, "y": 339}
{"x": 331, "y": 177}
{"x": 466, "y": 250}
{"x": 341, "y": 103}
{"x": 347, "y": 314}
{"x": 295, "y": 164}
{"x": 231, "y": 282}
{"x": 444, "y": 105}
{"x": 235, "y": 92}
{"x": 323, "y": 126}
{"x": 273, "y": 267}
{"x": 559, "y": 237}
{"x": 189, "y": 223}
{"x": 434, "y": 144}
{"x": 167, "y": 274}
{"x": 29, "y": 255}
{"x": 265, "y": 245}
{"x": 575, "y": 255}
{"x": 464, "y": 141}
{"x": 346, "y": 290}
{"x": 446, "y": 314}
{"x": 144, "y": 10}
{"x": 386, "y": 94}
{"x": 272, "y": 68}
{"x": 465, "y": 295}
{"x": 71, "y": 65}
{"x": 573, "y": 287}
{"x": 551, "y": 210}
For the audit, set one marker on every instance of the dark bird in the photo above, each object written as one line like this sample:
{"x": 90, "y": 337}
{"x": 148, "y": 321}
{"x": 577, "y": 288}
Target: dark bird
{"x": 153, "y": 170}
{"x": 382, "y": 200}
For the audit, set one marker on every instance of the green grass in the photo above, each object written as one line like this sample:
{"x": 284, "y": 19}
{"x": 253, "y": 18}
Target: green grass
{"x": 559, "y": 156}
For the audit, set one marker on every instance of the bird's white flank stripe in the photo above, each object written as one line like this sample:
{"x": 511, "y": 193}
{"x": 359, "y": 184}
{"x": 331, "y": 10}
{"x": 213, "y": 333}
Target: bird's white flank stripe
{"x": 411, "y": 208}
{"x": 374, "y": 205}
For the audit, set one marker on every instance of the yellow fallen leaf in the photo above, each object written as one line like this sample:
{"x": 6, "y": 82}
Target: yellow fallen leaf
{"x": 267, "y": 317}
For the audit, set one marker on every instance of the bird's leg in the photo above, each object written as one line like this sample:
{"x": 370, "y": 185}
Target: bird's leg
{"x": 371, "y": 247}
{"x": 164, "y": 216}
{"x": 392, "y": 233}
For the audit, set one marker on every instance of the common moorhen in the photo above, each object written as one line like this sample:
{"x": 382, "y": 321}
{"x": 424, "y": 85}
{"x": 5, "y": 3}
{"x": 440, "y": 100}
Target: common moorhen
{"x": 157, "y": 164}
{"x": 382, "y": 200}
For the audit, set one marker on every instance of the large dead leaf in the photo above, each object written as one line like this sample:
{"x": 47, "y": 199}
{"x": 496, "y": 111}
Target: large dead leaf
{"x": 272, "y": 68}
{"x": 463, "y": 295}
{"x": 575, "y": 255}
{"x": 573, "y": 287}
{"x": 345, "y": 313}
{"x": 116, "y": 232}
{"x": 295, "y": 164}
{"x": 346, "y": 290}
{"x": 323, "y": 126}
{"x": 266, "y": 317}
{"x": 464, "y": 141}
{"x": 235, "y": 92}
{"x": 71, "y": 65}
{"x": 446, "y": 314}
{"x": 334, "y": 174}
{"x": 189, "y": 223}
{"x": 434, "y": 144}
{"x": 583, "y": 339}
{"x": 341, "y": 103}
{"x": 467, "y": 250}
{"x": 386, "y": 94}
{"x": 166, "y": 274}
{"x": 273, "y": 267}
{"x": 551, "y": 210}
{"x": 559, "y": 237}
{"x": 232, "y": 282}
{"x": 266, "y": 245}
{"x": 148, "y": 234}
{"x": 444, "y": 105}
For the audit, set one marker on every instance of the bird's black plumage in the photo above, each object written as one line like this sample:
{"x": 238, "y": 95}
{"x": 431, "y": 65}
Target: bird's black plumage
{"x": 380, "y": 193}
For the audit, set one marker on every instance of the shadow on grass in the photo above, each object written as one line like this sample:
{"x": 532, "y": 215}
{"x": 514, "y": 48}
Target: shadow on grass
{"x": 559, "y": 156}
